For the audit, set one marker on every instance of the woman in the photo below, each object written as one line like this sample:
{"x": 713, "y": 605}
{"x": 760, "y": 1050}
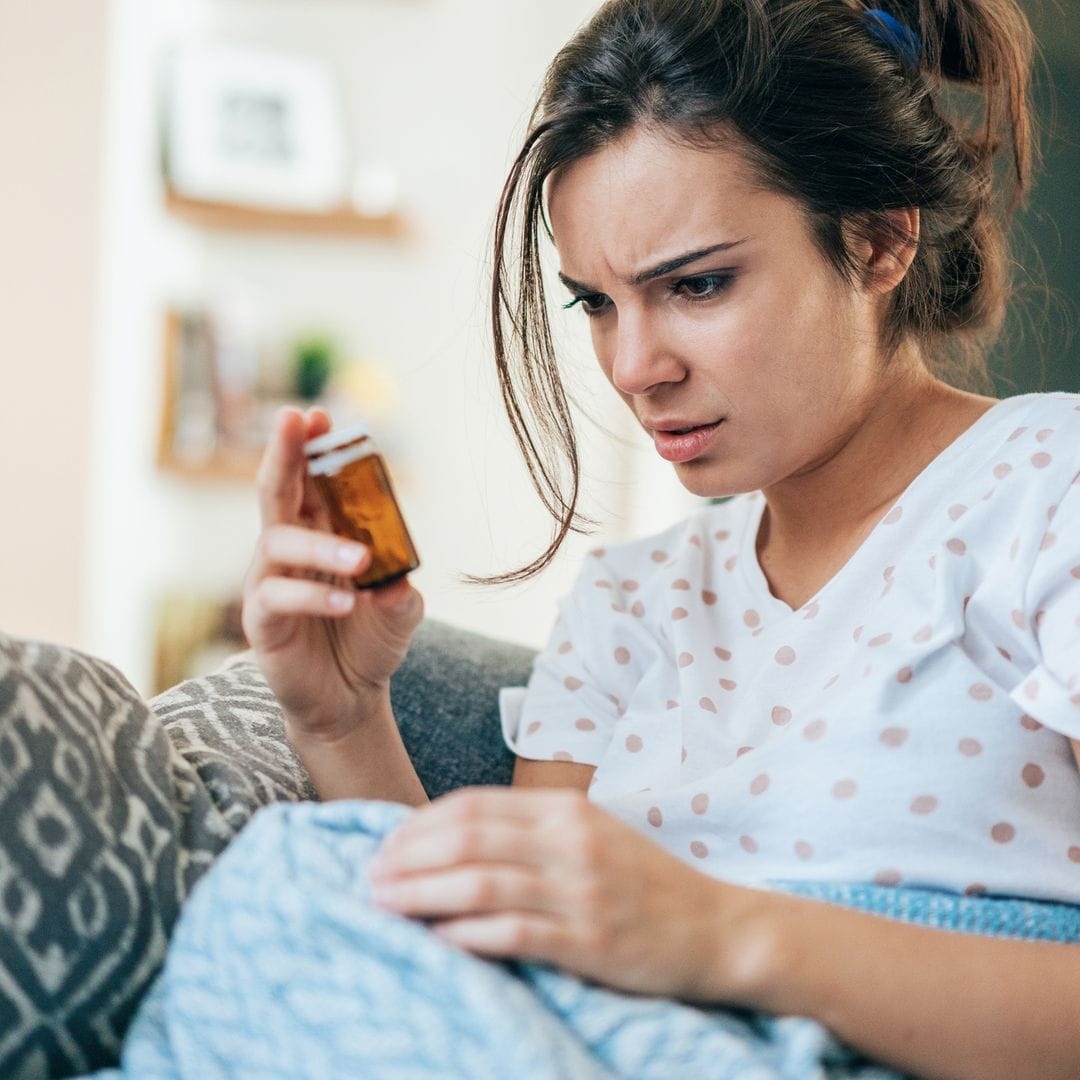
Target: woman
{"x": 864, "y": 669}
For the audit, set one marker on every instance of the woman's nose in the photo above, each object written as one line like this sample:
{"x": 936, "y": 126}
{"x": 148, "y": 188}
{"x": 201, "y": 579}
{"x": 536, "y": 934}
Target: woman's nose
{"x": 643, "y": 359}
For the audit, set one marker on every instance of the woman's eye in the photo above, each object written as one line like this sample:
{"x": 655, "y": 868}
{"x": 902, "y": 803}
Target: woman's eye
{"x": 703, "y": 286}
{"x": 591, "y": 304}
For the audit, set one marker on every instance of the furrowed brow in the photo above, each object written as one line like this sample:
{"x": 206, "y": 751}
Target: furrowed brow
{"x": 660, "y": 270}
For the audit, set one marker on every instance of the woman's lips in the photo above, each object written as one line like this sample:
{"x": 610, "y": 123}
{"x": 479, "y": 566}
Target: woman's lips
{"x": 686, "y": 446}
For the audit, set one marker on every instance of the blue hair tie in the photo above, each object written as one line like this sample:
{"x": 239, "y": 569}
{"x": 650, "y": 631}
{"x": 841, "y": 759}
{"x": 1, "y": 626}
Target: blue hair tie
{"x": 894, "y": 35}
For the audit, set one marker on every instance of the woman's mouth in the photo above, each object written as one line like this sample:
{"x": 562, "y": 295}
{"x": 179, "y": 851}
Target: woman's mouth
{"x": 684, "y": 444}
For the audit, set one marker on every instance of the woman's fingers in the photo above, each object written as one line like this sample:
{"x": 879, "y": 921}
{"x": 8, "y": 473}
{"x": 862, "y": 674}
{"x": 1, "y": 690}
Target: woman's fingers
{"x": 275, "y": 597}
{"x": 467, "y": 890}
{"x": 503, "y": 841}
{"x": 294, "y": 548}
{"x": 281, "y": 475}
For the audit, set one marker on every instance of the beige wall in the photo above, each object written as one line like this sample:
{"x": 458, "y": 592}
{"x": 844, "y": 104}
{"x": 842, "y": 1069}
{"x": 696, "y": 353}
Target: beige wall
{"x": 51, "y": 107}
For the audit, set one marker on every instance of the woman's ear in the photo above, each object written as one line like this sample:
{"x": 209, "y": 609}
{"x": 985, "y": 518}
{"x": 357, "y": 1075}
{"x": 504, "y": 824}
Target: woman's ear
{"x": 886, "y": 247}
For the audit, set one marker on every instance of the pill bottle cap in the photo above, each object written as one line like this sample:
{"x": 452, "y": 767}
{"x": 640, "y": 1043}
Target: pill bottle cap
{"x": 338, "y": 437}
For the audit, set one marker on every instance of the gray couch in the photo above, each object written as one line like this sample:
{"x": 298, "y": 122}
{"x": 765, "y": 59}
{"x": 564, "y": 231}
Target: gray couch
{"x": 112, "y": 807}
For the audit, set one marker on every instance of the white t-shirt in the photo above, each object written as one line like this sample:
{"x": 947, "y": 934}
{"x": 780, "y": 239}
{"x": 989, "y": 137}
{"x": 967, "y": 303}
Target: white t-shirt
{"x": 908, "y": 724}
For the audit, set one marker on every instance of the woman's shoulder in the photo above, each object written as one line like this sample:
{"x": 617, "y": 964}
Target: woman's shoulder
{"x": 656, "y": 555}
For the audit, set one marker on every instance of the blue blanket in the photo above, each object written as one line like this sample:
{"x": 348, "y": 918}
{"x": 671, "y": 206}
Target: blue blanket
{"x": 280, "y": 967}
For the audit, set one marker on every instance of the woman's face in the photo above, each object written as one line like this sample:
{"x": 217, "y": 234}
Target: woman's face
{"x": 741, "y": 352}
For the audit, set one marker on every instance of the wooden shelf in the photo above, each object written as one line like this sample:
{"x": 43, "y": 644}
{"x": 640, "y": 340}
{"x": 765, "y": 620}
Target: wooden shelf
{"x": 214, "y": 471}
{"x": 342, "y": 222}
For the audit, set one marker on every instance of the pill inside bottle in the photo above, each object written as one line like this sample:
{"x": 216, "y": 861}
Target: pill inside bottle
{"x": 351, "y": 476}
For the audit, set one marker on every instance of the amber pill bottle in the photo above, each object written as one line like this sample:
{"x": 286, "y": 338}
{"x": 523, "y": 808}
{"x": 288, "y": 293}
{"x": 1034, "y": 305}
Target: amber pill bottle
{"x": 351, "y": 477}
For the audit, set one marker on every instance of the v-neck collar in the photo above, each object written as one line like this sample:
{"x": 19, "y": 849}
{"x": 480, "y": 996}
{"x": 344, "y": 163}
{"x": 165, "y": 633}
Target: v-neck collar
{"x": 755, "y": 577}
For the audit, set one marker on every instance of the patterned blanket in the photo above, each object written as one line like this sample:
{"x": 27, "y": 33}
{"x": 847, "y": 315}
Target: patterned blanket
{"x": 280, "y": 967}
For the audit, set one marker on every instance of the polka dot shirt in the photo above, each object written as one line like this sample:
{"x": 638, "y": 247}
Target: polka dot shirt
{"x": 909, "y": 724}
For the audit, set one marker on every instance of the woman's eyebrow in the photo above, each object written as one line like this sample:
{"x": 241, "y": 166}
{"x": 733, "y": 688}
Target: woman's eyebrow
{"x": 666, "y": 267}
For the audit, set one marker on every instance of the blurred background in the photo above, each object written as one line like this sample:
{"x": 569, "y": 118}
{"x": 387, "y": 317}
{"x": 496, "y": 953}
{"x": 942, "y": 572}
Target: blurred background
{"x": 212, "y": 207}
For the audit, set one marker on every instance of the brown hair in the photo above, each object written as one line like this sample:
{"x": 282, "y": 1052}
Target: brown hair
{"x": 828, "y": 112}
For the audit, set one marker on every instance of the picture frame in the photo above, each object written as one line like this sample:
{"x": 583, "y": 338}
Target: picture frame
{"x": 254, "y": 127}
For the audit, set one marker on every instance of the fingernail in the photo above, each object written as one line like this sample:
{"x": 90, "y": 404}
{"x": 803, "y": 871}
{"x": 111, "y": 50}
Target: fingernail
{"x": 340, "y": 600}
{"x": 348, "y": 555}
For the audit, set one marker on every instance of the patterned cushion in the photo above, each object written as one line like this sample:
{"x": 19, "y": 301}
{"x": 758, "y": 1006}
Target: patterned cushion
{"x": 111, "y": 808}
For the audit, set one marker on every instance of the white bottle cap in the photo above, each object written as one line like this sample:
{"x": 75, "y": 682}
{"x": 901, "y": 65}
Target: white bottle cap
{"x": 335, "y": 438}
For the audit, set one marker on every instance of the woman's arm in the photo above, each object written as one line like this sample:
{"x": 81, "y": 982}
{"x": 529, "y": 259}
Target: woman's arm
{"x": 930, "y": 1002}
{"x": 549, "y": 876}
{"x": 551, "y": 774}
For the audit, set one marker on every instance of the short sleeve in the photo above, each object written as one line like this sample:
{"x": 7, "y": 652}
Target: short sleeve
{"x": 584, "y": 678}
{"x": 1050, "y": 692}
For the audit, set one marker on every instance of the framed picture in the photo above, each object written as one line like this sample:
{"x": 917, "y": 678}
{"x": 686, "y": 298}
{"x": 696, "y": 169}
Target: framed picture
{"x": 254, "y": 127}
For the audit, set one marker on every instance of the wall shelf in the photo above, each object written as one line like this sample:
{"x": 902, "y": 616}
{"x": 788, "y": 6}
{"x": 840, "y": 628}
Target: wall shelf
{"x": 341, "y": 222}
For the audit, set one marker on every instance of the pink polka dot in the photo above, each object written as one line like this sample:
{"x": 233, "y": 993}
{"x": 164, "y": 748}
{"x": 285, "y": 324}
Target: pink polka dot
{"x": 722, "y": 535}
{"x": 804, "y": 850}
{"x": 781, "y": 715}
{"x": 980, "y": 691}
{"x": 1016, "y": 434}
{"x": 585, "y": 724}
{"x": 956, "y": 546}
{"x": 1019, "y": 619}
{"x": 857, "y": 632}
{"x": 844, "y": 789}
{"x": 724, "y": 654}
{"x": 1051, "y": 511}
{"x": 729, "y": 563}
{"x": 894, "y": 736}
{"x": 679, "y": 613}
{"x": 683, "y": 757}
{"x": 620, "y": 608}
{"x": 815, "y": 730}
{"x": 708, "y": 597}
{"x": 1003, "y": 832}
{"x": 905, "y": 675}
{"x": 572, "y": 683}
{"x": 751, "y": 618}
{"x": 654, "y": 817}
{"x": 699, "y": 850}
{"x": 957, "y": 511}
{"x": 888, "y": 878}
{"x": 622, "y": 655}
{"x": 1074, "y": 854}
{"x": 1032, "y": 775}
{"x": 680, "y": 583}
{"x": 630, "y": 586}
{"x": 638, "y": 609}
{"x": 672, "y": 704}
{"x": 923, "y": 633}
{"x": 533, "y": 728}
{"x": 894, "y": 515}
{"x": 976, "y": 888}
{"x": 699, "y": 803}
{"x": 1005, "y": 654}
{"x": 1048, "y": 541}
{"x": 1041, "y": 459}
{"x": 634, "y": 743}
{"x": 1031, "y": 689}
{"x": 564, "y": 648}
{"x": 1030, "y": 723}
{"x": 1002, "y": 470}
{"x": 932, "y": 561}
{"x": 603, "y": 584}
{"x": 881, "y": 639}
{"x": 695, "y": 540}
{"x": 598, "y": 553}
{"x": 888, "y": 573}
{"x": 659, "y": 556}
{"x": 748, "y": 844}
{"x": 728, "y": 684}
{"x": 923, "y": 804}
{"x": 685, "y": 659}
{"x": 707, "y": 704}
{"x": 1043, "y": 435}
{"x": 1075, "y": 571}
{"x": 562, "y": 755}
{"x": 969, "y": 747}
{"x": 759, "y": 784}
{"x": 785, "y": 655}
{"x": 811, "y": 610}
{"x": 743, "y": 750}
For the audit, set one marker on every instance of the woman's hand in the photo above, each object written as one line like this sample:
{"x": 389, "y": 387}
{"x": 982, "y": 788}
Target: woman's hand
{"x": 546, "y": 875}
{"x": 327, "y": 650}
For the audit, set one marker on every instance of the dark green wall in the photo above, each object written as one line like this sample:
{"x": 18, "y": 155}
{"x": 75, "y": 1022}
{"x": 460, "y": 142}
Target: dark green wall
{"x": 1040, "y": 349}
